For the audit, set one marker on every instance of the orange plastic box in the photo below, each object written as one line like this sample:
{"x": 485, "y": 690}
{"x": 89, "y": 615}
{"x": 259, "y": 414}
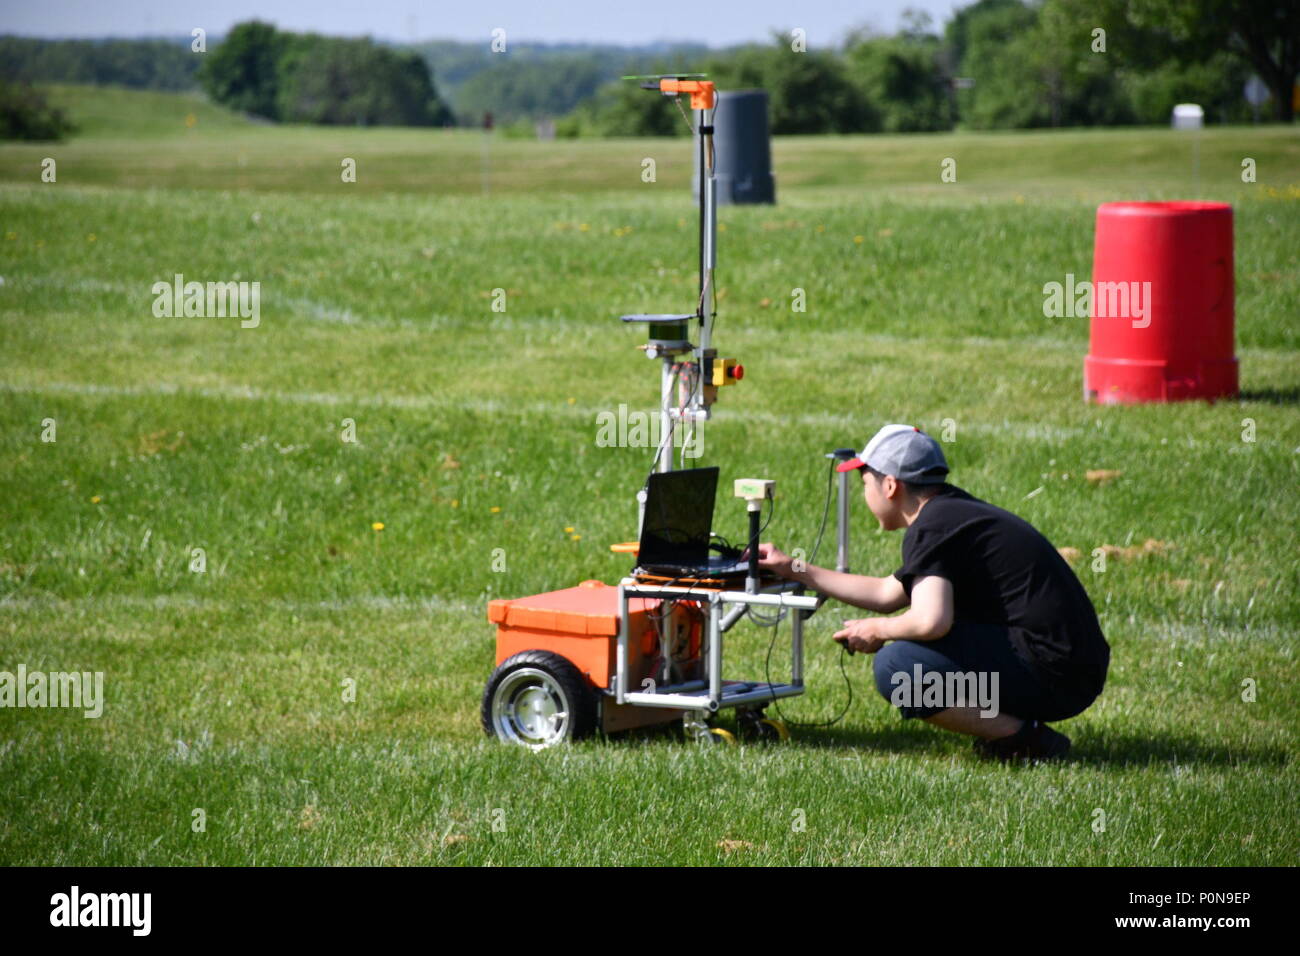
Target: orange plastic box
{"x": 581, "y": 624}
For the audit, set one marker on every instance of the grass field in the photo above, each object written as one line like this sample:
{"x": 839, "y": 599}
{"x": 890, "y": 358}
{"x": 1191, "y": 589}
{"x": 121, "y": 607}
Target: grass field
{"x": 477, "y": 431}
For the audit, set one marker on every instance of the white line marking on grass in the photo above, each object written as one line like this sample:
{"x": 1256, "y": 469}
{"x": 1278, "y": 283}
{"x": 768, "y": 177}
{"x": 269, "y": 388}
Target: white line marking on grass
{"x": 1179, "y": 633}
{"x": 163, "y": 602}
{"x": 239, "y": 393}
{"x": 89, "y": 284}
{"x": 847, "y": 421}
{"x": 310, "y": 308}
{"x": 304, "y": 307}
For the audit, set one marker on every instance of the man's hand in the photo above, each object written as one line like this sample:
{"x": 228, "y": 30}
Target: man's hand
{"x": 772, "y": 559}
{"x": 863, "y": 634}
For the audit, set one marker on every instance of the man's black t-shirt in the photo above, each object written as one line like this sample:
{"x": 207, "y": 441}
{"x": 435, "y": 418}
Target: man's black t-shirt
{"x": 1004, "y": 572}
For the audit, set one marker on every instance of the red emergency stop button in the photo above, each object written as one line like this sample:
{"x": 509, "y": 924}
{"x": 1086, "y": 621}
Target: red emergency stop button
{"x": 737, "y": 372}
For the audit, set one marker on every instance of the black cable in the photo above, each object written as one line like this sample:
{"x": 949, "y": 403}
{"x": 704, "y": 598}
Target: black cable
{"x": 672, "y": 425}
{"x": 677, "y": 100}
{"x": 767, "y": 672}
{"x": 826, "y": 510}
{"x": 771, "y": 511}
{"x": 671, "y": 582}
{"x": 776, "y": 624}
{"x": 725, "y": 547}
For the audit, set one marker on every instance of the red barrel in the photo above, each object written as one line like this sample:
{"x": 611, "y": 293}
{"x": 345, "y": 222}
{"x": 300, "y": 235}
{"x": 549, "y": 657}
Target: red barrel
{"x": 1162, "y": 303}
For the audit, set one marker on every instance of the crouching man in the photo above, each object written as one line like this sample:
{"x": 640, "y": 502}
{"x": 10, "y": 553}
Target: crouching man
{"x": 992, "y": 604}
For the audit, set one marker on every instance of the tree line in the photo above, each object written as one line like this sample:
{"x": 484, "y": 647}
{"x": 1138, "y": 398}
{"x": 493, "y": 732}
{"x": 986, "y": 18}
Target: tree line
{"x": 309, "y": 78}
{"x": 140, "y": 64}
{"x": 255, "y": 68}
{"x": 999, "y": 64}
{"x": 996, "y": 64}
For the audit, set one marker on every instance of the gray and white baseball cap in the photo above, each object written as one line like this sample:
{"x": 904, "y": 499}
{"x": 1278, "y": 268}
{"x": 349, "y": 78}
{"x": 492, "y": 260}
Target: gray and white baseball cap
{"x": 905, "y": 452}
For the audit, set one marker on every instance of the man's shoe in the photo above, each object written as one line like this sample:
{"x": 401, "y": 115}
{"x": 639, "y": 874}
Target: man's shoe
{"x": 1033, "y": 742}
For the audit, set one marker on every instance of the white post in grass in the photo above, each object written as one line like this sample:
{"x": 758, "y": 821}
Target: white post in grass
{"x": 1190, "y": 116}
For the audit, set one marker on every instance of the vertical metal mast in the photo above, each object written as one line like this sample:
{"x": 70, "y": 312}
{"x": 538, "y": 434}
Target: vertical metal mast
{"x": 670, "y": 340}
{"x": 670, "y": 333}
{"x": 708, "y": 230}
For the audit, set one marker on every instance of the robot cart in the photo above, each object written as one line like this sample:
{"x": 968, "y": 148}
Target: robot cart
{"x": 650, "y": 650}
{"x": 596, "y": 657}
{"x": 647, "y": 651}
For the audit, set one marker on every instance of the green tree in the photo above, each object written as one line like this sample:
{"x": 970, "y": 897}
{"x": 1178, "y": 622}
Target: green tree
{"x": 1215, "y": 84}
{"x": 26, "y": 114}
{"x": 142, "y": 64}
{"x": 335, "y": 80}
{"x": 513, "y": 89}
{"x": 808, "y": 92}
{"x": 1076, "y": 79}
{"x": 1036, "y": 66}
{"x": 997, "y": 57}
{"x": 243, "y": 72}
{"x": 1265, "y": 34}
{"x": 903, "y": 81}
{"x": 956, "y": 34}
{"x": 623, "y": 108}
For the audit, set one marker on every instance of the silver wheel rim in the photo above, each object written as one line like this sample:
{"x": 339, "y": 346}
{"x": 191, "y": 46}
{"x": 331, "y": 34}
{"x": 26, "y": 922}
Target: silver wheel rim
{"x": 529, "y": 708}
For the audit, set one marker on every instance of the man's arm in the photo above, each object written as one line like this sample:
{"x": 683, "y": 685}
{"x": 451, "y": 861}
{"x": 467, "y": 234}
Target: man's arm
{"x": 882, "y": 595}
{"x": 930, "y": 616}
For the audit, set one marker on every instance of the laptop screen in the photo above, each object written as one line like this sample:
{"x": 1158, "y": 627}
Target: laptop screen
{"x": 678, "y": 516}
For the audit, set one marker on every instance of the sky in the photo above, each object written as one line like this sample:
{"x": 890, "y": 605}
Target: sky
{"x": 628, "y": 22}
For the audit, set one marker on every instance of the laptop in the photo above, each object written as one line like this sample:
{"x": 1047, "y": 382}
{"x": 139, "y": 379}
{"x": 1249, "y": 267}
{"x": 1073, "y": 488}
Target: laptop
{"x": 677, "y": 526}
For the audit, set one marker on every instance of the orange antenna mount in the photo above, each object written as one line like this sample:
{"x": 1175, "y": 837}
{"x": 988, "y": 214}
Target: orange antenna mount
{"x": 702, "y": 91}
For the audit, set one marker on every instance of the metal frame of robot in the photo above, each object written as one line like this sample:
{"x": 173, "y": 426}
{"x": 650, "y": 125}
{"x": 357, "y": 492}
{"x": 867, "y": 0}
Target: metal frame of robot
{"x": 709, "y": 695}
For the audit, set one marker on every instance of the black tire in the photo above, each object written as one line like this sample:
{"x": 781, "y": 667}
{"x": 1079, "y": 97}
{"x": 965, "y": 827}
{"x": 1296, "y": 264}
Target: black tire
{"x": 749, "y": 724}
{"x": 538, "y": 699}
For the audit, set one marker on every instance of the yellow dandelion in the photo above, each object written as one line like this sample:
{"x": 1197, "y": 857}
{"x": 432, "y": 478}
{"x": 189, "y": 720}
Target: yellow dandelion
{"x": 91, "y": 237}
{"x": 455, "y": 502}
{"x": 377, "y": 526}
{"x": 584, "y": 227}
{"x": 494, "y": 509}
{"x": 568, "y": 530}
{"x": 572, "y": 400}
{"x": 821, "y": 228}
{"x": 858, "y": 240}
{"x": 96, "y": 500}
{"x": 575, "y": 537}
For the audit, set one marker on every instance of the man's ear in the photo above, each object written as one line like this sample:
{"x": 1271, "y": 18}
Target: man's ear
{"x": 889, "y": 486}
